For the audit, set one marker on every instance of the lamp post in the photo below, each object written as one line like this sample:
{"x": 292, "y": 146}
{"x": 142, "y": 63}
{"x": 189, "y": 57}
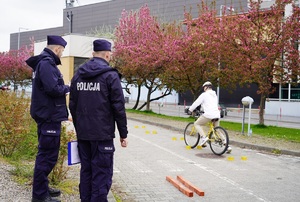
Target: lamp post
{"x": 19, "y": 35}
{"x": 247, "y": 101}
{"x": 219, "y": 58}
{"x": 70, "y": 19}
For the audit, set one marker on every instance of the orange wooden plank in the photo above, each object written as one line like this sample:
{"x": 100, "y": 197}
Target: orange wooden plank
{"x": 181, "y": 188}
{"x": 190, "y": 186}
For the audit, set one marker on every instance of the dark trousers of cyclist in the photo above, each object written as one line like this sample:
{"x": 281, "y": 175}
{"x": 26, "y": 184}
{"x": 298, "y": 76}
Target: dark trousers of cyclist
{"x": 201, "y": 122}
{"x": 96, "y": 169}
{"x": 48, "y": 149}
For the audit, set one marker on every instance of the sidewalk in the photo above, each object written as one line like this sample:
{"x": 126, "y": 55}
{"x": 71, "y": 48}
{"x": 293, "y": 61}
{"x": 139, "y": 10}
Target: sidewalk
{"x": 277, "y": 120}
{"x": 157, "y": 149}
{"x": 133, "y": 187}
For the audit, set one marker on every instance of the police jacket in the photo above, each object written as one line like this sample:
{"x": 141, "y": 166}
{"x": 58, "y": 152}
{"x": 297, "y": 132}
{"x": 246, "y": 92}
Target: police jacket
{"x": 48, "y": 98}
{"x": 97, "y": 102}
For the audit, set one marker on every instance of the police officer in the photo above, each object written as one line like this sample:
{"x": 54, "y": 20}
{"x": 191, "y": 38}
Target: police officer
{"x": 48, "y": 109}
{"x": 97, "y": 103}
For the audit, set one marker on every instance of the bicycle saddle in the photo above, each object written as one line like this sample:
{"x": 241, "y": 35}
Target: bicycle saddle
{"x": 214, "y": 120}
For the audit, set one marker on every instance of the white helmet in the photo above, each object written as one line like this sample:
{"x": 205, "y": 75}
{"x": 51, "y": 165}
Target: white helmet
{"x": 207, "y": 83}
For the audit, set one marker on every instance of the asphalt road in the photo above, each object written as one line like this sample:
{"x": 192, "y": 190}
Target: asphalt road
{"x": 244, "y": 175}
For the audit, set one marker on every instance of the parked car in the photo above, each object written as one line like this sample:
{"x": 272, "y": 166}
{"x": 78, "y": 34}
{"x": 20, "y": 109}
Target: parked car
{"x": 186, "y": 110}
{"x": 4, "y": 88}
{"x": 222, "y": 109}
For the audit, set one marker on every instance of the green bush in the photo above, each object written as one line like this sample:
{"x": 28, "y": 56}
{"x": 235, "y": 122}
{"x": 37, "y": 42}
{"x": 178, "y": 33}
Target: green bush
{"x": 18, "y": 139}
{"x": 23, "y": 158}
{"x": 14, "y": 122}
{"x": 28, "y": 148}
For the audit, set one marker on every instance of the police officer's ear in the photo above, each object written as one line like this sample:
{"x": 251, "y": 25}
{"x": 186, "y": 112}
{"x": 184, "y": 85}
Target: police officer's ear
{"x": 107, "y": 56}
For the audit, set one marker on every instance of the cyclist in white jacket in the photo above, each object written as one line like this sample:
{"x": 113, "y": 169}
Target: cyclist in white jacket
{"x": 209, "y": 103}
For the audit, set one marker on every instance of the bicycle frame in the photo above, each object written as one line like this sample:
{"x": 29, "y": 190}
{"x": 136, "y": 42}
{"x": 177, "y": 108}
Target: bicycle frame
{"x": 211, "y": 125}
{"x": 218, "y": 137}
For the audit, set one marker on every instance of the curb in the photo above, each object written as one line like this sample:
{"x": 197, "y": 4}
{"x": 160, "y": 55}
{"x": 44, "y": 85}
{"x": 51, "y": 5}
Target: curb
{"x": 232, "y": 142}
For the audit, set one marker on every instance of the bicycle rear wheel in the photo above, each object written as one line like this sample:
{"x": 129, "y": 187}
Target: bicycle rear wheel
{"x": 191, "y": 136}
{"x": 218, "y": 140}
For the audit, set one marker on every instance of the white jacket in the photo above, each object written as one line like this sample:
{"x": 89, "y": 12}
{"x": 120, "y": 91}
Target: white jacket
{"x": 209, "y": 103}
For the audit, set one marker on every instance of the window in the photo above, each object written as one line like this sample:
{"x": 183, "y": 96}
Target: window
{"x": 295, "y": 92}
{"x": 78, "y": 62}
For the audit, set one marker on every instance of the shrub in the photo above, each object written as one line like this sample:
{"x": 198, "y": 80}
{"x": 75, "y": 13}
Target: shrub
{"x": 23, "y": 158}
{"x": 14, "y": 122}
{"x": 60, "y": 171}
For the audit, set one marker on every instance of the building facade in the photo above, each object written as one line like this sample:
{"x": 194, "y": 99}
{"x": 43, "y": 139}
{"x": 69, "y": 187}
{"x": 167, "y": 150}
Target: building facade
{"x": 85, "y": 19}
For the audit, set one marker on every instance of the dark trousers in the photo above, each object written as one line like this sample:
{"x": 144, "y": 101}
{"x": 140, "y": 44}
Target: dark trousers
{"x": 96, "y": 169}
{"x": 48, "y": 149}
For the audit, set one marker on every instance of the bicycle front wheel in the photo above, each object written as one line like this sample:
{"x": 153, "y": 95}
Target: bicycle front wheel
{"x": 218, "y": 140}
{"x": 191, "y": 136}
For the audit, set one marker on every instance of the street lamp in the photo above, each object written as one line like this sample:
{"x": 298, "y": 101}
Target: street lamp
{"x": 219, "y": 63}
{"x": 70, "y": 19}
{"x": 223, "y": 7}
{"x": 19, "y": 35}
{"x": 247, "y": 101}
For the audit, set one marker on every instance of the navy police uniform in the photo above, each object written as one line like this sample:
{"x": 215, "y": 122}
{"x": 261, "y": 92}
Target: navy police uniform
{"x": 97, "y": 104}
{"x": 48, "y": 109}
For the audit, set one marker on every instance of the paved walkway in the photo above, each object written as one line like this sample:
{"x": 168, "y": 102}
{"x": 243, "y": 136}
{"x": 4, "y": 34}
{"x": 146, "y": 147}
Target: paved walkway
{"x": 138, "y": 179}
{"x": 155, "y": 152}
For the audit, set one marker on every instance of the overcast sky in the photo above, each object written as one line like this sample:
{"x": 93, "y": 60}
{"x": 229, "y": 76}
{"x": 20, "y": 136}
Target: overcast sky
{"x": 16, "y": 15}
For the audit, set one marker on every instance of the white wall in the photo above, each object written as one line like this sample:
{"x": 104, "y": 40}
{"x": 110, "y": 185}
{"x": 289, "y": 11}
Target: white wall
{"x": 283, "y": 108}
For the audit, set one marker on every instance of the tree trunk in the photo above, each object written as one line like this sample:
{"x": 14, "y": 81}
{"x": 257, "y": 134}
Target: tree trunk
{"x": 138, "y": 97}
{"x": 153, "y": 99}
{"x": 262, "y": 109}
{"x": 15, "y": 87}
{"x": 148, "y": 98}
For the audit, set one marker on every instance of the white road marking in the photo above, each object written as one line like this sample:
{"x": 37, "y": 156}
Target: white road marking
{"x": 170, "y": 166}
{"x": 138, "y": 166}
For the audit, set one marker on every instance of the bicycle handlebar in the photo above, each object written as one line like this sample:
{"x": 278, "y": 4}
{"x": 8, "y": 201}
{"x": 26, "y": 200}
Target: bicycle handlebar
{"x": 197, "y": 113}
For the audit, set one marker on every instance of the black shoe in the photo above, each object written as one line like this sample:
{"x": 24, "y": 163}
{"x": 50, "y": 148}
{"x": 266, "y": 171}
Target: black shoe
{"x": 54, "y": 192}
{"x": 47, "y": 199}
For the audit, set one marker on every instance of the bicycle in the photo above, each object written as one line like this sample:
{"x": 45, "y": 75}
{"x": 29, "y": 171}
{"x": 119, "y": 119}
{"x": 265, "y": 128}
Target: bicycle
{"x": 218, "y": 136}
